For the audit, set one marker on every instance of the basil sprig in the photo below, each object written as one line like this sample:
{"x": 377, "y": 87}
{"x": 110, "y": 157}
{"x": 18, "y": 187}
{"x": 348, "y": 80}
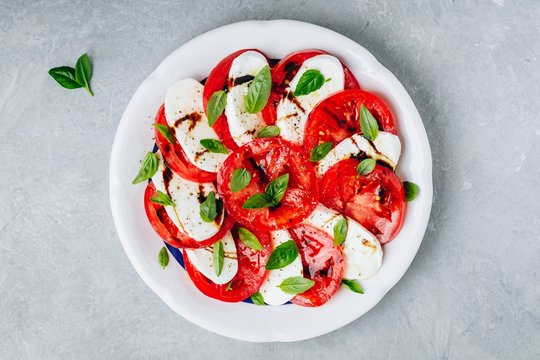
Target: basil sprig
{"x": 148, "y": 168}
{"x": 269, "y": 131}
{"x": 74, "y": 78}
{"x": 296, "y": 285}
{"x": 320, "y": 151}
{"x": 283, "y": 255}
{"x": 165, "y": 131}
{"x": 257, "y": 298}
{"x": 216, "y": 105}
{"x": 214, "y": 146}
{"x": 310, "y": 81}
{"x": 353, "y": 285}
{"x": 258, "y": 91}
{"x": 162, "y": 199}
{"x": 368, "y": 124}
{"x": 163, "y": 257}
{"x": 218, "y": 257}
{"x": 240, "y": 179}
{"x": 340, "y": 231}
{"x": 271, "y": 197}
{"x": 366, "y": 166}
{"x": 208, "y": 209}
{"x": 411, "y": 190}
{"x": 249, "y": 239}
{"x": 65, "y": 76}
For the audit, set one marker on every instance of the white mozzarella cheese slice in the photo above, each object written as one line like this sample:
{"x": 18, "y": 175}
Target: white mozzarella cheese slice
{"x": 270, "y": 291}
{"x": 243, "y": 126}
{"x": 202, "y": 260}
{"x": 185, "y": 115}
{"x": 386, "y": 148}
{"x": 292, "y": 112}
{"x": 361, "y": 250}
{"x": 187, "y": 195}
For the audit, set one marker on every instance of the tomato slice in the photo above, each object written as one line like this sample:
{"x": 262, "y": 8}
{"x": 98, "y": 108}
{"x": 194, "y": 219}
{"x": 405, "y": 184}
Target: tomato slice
{"x": 285, "y": 70}
{"x": 376, "y": 200}
{"x": 169, "y": 232}
{"x": 323, "y": 263}
{"x": 267, "y": 159}
{"x": 338, "y": 116}
{"x": 249, "y": 278}
{"x": 176, "y": 158}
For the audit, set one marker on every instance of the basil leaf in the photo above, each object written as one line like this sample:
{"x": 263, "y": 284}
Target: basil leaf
{"x": 309, "y": 82}
{"x": 163, "y": 257}
{"x": 296, "y": 285}
{"x": 353, "y": 285}
{"x": 368, "y": 124}
{"x": 249, "y": 239}
{"x": 240, "y": 179}
{"x": 65, "y": 76}
{"x": 83, "y": 72}
{"x": 229, "y": 286}
{"x": 148, "y": 168}
{"x": 218, "y": 257}
{"x": 165, "y": 131}
{"x": 208, "y": 210}
{"x": 258, "y": 91}
{"x": 269, "y": 131}
{"x": 214, "y": 146}
{"x": 411, "y": 190}
{"x": 282, "y": 255}
{"x": 162, "y": 199}
{"x": 276, "y": 189}
{"x": 257, "y": 298}
{"x": 366, "y": 166}
{"x": 258, "y": 201}
{"x": 340, "y": 231}
{"x": 320, "y": 151}
{"x": 216, "y": 105}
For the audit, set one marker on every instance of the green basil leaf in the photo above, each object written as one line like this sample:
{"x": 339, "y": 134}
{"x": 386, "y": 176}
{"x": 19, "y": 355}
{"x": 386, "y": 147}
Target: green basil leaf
{"x": 282, "y": 255}
{"x": 310, "y": 81}
{"x": 411, "y": 190}
{"x": 214, "y": 146}
{"x": 353, "y": 285}
{"x": 258, "y": 201}
{"x": 165, "y": 131}
{"x": 320, "y": 151}
{"x": 249, "y": 239}
{"x": 218, "y": 257}
{"x": 162, "y": 199}
{"x": 296, "y": 285}
{"x": 269, "y": 131}
{"x": 340, "y": 231}
{"x": 240, "y": 179}
{"x": 65, "y": 76}
{"x": 163, "y": 257}
{"x": 276, "y": 189}
{"x": 208, "y": 210}
{"x": 366, "y": 166}
{"x": 83, "y": 72}
{"x": 258, "y": 91}
{"x": 257, "y": 298}
{"x": 216, "y": 105}
{"x": 148, "y": 168}
{"x": 368, "y": 124}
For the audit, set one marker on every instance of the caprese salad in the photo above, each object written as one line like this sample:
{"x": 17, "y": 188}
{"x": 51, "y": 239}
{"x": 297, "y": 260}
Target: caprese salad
{"x": 275, "y": 179}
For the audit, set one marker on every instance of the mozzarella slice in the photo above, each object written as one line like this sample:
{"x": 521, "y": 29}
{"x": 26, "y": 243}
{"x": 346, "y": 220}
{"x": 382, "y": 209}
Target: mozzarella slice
{"x": 185, "y": 115}
{"x": 386, "y": 148}
{"x": 361, "y": 250}
{"x": 292, "y": 111}
{"x": 188, "y": 196}
{"x": 202, "y": 258}
{"x": 270, "y": 291}
{"x": 243, "y": 125}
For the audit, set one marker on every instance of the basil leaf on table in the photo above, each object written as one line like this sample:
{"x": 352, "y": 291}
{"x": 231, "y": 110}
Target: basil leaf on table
{"x": 240, "y": 179}
{"x": 83, "y": 72}
{"x": 368, "y": 124}
{"x": 208, "y": 209}
{"x": 320, "y": 151}
{"x": 283, "y": 255}
{"x": 366, "y": 166}
{"x": 148, "y": 168}
{"x": 258, "y": 91}
{"x": 216, "y": 105}
{"x": 249, "y": 239}
{"x": 310, "y": 81}
{"x": 162, "y": 199}
{"x": 65, "y": 76}
{"x": 296, "y": 285}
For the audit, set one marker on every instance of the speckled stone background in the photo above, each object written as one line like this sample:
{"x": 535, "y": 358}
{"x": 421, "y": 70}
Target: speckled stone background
{"x": 68, "y": 291}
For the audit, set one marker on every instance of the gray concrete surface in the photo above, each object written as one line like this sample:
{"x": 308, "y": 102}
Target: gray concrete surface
{"x": 68, "y": 291}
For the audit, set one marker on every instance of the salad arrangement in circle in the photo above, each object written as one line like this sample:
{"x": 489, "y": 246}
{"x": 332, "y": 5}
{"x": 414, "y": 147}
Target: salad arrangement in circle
{"x": 275, "y": 179}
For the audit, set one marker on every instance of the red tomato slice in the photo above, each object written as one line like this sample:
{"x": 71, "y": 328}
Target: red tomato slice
{"x": 176, "y": 157}
{"x": 376, "y": 200}
{"x": 167, "y": 230}
{"x": 267, "y": 159}
{"x": 323, "y": 263}
{"x": 249, "y": 278}
{"x": 285, "y": 70}
{"x": 338, "y": 116}
{"x": 218, "y": 80}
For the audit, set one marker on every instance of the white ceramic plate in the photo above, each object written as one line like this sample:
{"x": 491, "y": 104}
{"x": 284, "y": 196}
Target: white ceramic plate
{"x": 135, "y": 137}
